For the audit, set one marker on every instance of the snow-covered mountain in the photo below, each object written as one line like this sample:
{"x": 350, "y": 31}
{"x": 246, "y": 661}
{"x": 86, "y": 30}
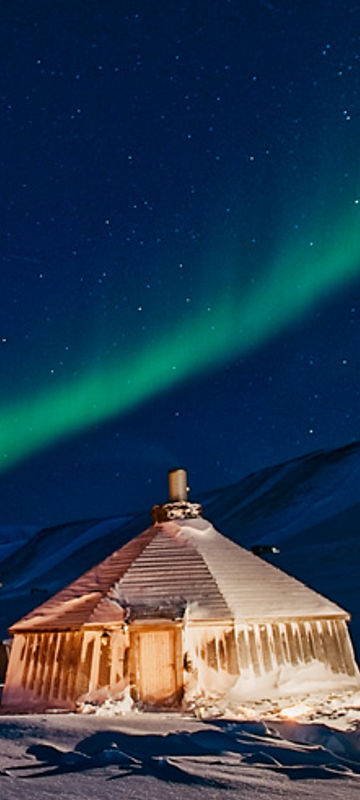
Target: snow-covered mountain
{"x": 308, "y": 507}
{"x": 14, "y": 536}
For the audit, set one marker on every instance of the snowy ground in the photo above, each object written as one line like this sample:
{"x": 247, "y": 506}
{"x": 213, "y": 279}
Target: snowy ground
{"x": 157, "y": 755}
{"x": 310, "y": 509}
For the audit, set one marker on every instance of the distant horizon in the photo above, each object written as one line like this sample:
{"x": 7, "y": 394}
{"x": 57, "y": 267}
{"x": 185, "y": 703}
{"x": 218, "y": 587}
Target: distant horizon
{"x": 162, "y": 477}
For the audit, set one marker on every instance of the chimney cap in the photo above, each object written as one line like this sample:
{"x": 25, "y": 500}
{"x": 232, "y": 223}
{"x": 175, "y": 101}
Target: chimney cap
{"x": 178, "y": 506}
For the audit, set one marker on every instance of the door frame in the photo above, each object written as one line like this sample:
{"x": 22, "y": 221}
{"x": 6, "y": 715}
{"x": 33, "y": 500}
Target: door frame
{"x": 154, "y": 626}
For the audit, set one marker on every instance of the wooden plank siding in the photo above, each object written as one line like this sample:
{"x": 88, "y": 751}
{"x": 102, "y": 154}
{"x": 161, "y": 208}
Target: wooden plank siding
{"x": 258, "y": 649}
{"x": 53, "y": 669}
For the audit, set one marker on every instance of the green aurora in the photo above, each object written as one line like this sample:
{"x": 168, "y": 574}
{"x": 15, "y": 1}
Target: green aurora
{"x": 287, "y": 290}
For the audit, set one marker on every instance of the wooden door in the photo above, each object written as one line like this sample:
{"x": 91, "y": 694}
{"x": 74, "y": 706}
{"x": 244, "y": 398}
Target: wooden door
{"x": 156, "y": 674}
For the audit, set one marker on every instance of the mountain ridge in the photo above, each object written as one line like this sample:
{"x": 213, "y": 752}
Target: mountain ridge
{"x": 308, "y": 506}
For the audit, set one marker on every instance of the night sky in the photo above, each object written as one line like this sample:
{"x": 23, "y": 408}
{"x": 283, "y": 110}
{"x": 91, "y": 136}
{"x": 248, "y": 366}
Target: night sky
{"x": 180, "y": 245}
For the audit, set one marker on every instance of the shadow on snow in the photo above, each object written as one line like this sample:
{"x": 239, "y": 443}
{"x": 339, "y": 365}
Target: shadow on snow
{"x": 218, "y": 754}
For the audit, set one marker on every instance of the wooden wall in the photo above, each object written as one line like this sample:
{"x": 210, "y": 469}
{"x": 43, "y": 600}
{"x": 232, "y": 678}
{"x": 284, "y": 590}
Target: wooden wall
{"x": 56, "y": 669}
{"x": 219, "y": 655}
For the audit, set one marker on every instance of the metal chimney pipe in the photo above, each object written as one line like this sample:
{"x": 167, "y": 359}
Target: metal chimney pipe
{"x": 178, "y": 490}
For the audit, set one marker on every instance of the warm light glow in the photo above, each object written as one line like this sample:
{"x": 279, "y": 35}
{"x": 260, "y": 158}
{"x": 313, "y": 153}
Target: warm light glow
{"x": 292, "y": 712}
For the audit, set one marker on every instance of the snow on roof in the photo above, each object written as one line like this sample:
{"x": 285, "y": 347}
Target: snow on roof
{"x": 254, "y": 589}
{"x": 184, "y": 563}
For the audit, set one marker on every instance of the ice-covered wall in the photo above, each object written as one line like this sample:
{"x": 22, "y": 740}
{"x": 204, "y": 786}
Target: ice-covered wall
{"x": 259, "y": 659}
{"x": 235, "y": 660}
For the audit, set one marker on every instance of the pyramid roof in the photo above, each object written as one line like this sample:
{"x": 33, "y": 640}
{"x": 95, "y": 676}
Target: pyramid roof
{"x": 177, "y": 567}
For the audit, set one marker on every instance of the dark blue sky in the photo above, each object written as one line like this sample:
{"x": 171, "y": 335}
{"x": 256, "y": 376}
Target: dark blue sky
{"x": 156, "y": 160}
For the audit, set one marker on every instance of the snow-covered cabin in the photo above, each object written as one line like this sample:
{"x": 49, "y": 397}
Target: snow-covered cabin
{"x": 178, "y": 612}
